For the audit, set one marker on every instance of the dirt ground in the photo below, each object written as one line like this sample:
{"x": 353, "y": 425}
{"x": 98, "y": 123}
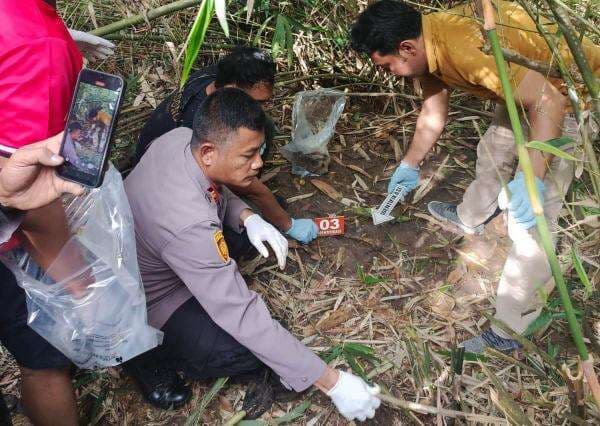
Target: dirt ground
{"x": 420, "y": 287}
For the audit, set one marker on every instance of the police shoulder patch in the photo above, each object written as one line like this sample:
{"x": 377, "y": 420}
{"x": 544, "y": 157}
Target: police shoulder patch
{"x": 221, "y": 244}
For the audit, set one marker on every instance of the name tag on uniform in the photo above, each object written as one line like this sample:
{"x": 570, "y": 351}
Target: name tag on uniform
{"x": 328, "y": 226}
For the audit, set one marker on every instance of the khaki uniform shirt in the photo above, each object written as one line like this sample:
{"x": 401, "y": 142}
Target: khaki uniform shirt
{"x": 453, "y": 41}
{"x": 178, "y": 218}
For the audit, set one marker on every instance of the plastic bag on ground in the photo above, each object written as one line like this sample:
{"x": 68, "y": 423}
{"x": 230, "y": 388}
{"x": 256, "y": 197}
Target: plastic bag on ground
{"x": 90, "y": 303}
{"x": 314, "y": 117}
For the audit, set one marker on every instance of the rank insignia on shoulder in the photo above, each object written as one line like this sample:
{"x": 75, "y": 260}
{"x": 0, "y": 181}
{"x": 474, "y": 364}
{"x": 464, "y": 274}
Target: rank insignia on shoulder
{"x": 221, "y": 244}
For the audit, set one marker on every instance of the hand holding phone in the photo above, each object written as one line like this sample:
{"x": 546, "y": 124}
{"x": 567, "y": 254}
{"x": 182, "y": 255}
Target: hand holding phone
{"x": 92, "y": 117}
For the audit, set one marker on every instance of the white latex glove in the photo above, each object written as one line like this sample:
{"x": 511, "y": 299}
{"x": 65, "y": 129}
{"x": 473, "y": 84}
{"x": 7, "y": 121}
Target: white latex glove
{"x": 353, "y": 398}
{"x": 91, "y": 46}
{"x": 259, "y": 230}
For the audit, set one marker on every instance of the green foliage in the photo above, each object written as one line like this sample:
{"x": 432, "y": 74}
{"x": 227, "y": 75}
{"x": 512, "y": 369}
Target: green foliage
{"x": 283, "y": 38}
{"x": 197, "y": 34}
{"x": 583, "y": 277}
{"x": 552, "y": 311}
{"x": 196, "y": 37}
{"x": 551, "y": 147}
{"x": 352, "y": 353}
{"x": 367, "y": 278}
{"x": 294, "y": 414}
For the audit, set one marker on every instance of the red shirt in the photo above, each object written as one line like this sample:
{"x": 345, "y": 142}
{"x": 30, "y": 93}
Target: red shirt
{"x": 39, "y": 64}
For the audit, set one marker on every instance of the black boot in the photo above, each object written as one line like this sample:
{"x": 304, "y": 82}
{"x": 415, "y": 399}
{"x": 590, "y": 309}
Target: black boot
{"x": 161, "y": 386}
{"x": 265, "y": 388}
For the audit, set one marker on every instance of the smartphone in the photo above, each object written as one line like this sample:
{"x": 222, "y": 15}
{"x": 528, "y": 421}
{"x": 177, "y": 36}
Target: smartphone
{"x": 92, "y": 118}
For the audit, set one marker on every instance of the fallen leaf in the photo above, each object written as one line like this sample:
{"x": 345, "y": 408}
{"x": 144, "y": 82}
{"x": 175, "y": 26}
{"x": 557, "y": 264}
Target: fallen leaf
{"x": 270, "y": 174}
{"x": 327, "y": 189}
{"x": 299, "y": 197}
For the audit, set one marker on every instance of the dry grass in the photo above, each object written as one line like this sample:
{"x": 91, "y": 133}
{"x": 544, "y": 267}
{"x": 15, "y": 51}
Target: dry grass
{"x": 425, "y": 288}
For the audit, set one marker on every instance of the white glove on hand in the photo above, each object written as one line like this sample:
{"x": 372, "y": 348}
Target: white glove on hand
{"x": 259, "y": 230}
{"x": 91, "y": 46}
{"x": 353, "y": 398}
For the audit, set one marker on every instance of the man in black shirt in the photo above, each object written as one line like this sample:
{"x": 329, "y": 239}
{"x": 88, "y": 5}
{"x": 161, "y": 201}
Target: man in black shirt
{"x": 252, "y": 71}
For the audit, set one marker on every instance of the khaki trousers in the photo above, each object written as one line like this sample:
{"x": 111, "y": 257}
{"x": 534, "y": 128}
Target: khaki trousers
{"x": 526, "y": 272}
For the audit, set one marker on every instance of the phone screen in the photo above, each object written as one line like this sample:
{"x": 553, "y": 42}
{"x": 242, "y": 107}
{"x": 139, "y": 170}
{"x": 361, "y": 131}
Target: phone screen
{"x": 89, "y": 127}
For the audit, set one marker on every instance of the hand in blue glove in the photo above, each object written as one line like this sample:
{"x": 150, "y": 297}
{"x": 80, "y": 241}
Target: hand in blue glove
{"x": 303, "y": 230}
{"x": 406, "y": 176}
{"x": 519, "y": 206}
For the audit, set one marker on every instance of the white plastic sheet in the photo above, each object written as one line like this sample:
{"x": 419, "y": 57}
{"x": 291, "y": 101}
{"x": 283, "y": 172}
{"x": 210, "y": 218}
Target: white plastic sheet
{"x": 90, "y": 302}
{"x": 314, "y": 117}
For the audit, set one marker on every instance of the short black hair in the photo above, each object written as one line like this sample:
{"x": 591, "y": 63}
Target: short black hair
{"x": 93, "y": 112}
{"x": 383, "y": 26}
{"x": 75, "y": 125}
{"x": 245, "y": 67}
{"x": 224, "y": 112}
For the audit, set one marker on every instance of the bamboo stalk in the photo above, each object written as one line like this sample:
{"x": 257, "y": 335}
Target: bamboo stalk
{"x": 516, "y": 58}
{"x": 525, "y": 161}
{"x": 566, "y": 27}
{"x": 582, "y": 19}
{"x": 149, "y": 15}
{"x": 427, "y": 409}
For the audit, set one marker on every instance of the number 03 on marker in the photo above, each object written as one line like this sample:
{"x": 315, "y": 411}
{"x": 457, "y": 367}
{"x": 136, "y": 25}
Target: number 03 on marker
{"x": 328, "y": 226}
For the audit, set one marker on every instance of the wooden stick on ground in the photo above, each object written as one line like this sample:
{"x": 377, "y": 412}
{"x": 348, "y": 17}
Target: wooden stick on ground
{"x": 149, "y": 15}
{"x": 428, "y": 409}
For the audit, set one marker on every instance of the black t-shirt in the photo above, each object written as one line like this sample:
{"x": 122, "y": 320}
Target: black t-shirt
{"x": 176, "y": 110}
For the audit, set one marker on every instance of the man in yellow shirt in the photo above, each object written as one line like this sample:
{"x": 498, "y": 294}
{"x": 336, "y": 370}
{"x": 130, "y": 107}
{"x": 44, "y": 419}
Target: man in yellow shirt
{"x": 444, "y": 51}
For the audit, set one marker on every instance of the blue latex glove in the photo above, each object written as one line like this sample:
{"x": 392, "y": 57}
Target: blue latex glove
{"x": 519, "y": 206}
{"x": 406, "y": 176}
{"x": 303, "y": 230}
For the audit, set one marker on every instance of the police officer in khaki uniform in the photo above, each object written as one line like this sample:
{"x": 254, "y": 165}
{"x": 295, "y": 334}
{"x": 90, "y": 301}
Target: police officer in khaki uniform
{"x": 189, "y": 228}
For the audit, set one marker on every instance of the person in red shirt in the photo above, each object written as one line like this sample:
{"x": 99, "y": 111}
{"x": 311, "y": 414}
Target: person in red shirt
{"x": 39, "y": 63}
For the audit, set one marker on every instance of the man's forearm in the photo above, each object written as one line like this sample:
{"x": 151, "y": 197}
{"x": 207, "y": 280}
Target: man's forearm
{"x": 431, "y": 120}
{"x": 265, "y": 201}
{"x": 427, "y": 132}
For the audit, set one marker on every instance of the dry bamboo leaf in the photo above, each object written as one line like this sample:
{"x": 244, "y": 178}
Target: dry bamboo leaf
{"x": 456, "y": 274}
{"x": 396, "y": 147}
{"x": 288, "y": 279}
{"x": 299, "y": 197}
{"x": 361, "y": 182}
{"x": 441, "y": 303}
{"x": 327, "y": 189}
{"x": 428, "y": 185}
{"x": 333, "y": 319}
{"x": 92, "y": 13}
{"x": 359, "y": 170}
{"x": 339, "y": 259}
{"x": 270, "y": 174}
{"x": 357, "y": 148}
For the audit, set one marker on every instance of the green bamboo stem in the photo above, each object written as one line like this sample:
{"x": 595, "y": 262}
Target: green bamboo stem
{"x": 141, "y": 18}
{"x": 525, "y": 161}
{"x": 564, "y": 22}
{"x": 582, "y": 19}
{"x": 573, "y": 98}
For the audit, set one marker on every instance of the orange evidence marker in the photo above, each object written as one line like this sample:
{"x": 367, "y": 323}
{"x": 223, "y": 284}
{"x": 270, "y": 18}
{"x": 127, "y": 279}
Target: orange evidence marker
{"x": 328, "y": 226}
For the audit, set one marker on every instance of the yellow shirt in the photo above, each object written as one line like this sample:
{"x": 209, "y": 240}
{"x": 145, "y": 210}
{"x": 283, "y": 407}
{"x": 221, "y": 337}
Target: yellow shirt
{"x": 453, "y": 41}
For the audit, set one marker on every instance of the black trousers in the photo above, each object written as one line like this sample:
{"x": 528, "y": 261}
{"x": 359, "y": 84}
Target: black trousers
{"x": 4, "y": 413}
{"x": 194, "y": 343}
{"x": 29, "y": 348}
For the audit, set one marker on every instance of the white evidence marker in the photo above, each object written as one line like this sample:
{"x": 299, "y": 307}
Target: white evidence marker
{"x": 383, "y": 213}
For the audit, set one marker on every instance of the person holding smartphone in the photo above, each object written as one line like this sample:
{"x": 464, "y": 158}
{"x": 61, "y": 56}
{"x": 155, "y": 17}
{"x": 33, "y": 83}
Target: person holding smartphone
{"x": 28, "y": 181}
{"x": 252, "y": 71}
{"x": 189, "y": 228}
{"x": 39, "y": 63}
